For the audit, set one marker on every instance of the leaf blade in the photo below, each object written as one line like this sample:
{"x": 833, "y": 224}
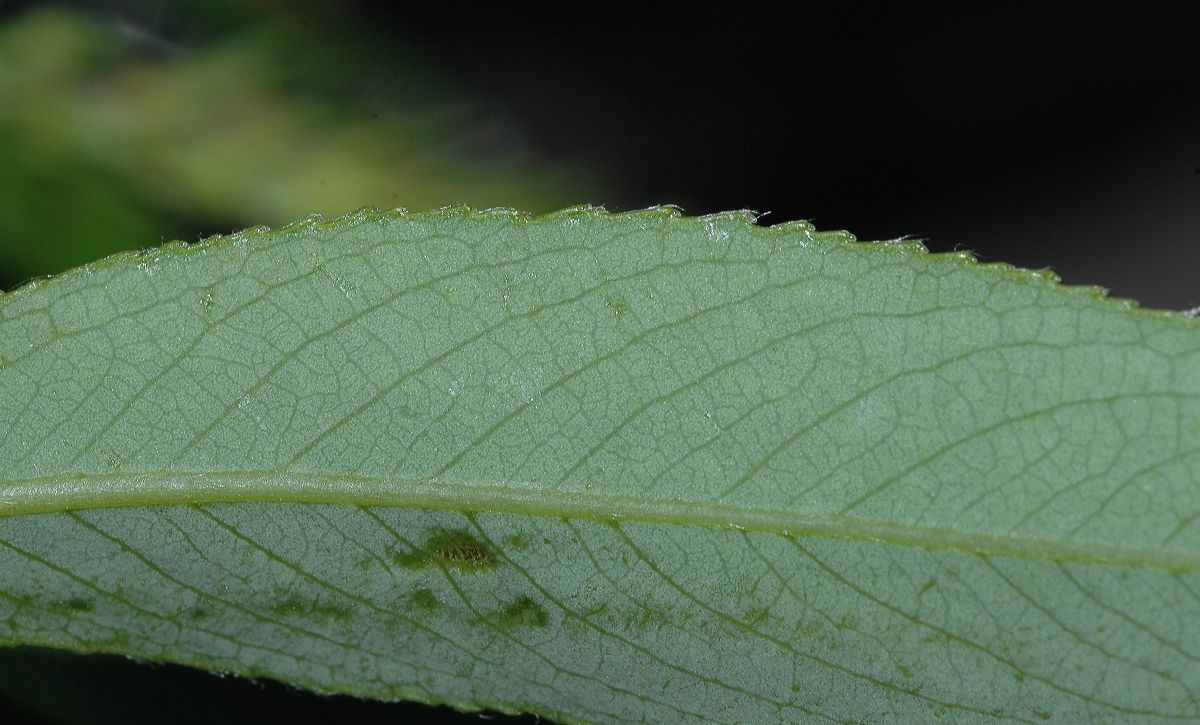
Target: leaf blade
{"x": 755, "y": 389}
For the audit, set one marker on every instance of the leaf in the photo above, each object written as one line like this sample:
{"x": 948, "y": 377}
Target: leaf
{"x": 609, "y": 468}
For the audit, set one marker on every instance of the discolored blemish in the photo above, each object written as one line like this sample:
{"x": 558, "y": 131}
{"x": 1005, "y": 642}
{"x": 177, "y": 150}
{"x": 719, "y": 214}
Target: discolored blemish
{"x": 453, "y": 548}
{"x": 424, "y": 600}
{"x": 462, "y": 551}
{"x": 1041, "y": 714}
{"x": 363, "y": 564}
{"x": 79, "y": 604}
{"x": 618, "y": 305}
{"x": 646, "y": 619}
{"x": 197, "y": 613}
{"x": 294, "y": 605}
{"x": 520, "y": 542}
{"x": 524, "y": 612}
{"x": 23, "y": 600}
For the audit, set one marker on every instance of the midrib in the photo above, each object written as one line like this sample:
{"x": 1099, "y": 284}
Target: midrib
{"x": 63, "y": 492}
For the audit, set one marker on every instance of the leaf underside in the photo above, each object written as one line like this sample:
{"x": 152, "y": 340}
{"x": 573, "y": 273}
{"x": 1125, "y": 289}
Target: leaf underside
{"x": 607, "y": 468}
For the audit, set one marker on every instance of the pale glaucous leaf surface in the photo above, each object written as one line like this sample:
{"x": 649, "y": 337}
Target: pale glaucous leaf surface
{"x": 609, "y": 468}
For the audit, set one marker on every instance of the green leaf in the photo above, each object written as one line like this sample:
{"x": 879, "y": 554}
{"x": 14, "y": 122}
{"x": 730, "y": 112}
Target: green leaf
{"x": 146, "y": 143}
{"x": 609, "y": 468}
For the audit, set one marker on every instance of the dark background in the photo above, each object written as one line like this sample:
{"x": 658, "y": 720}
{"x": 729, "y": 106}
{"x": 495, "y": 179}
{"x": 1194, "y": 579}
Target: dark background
{"x": 1048, "y": 136}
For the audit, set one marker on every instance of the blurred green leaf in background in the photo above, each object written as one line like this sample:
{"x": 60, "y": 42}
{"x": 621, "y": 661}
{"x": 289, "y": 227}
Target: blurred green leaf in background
{"x": 113, "y": 137}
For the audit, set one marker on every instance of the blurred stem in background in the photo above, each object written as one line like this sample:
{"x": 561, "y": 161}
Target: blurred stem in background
{"x": 113, "y": 137}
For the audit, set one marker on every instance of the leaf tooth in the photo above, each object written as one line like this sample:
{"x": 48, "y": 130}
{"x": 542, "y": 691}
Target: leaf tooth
{"x": 579, "y": 211}
{"x": 791, "y": 227}
{"x": 669, "y": 211}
